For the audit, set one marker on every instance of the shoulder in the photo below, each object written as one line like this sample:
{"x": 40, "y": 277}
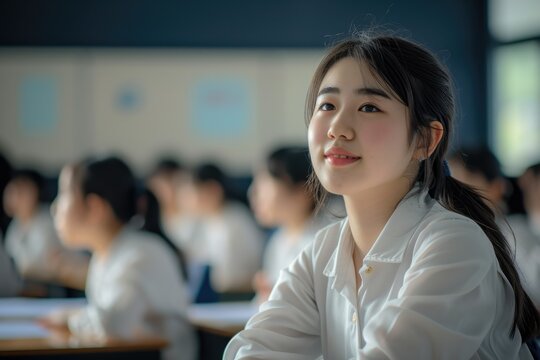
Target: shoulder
{"x": 450, "y": 232}
{"x": 142, "y": 247}
{"x": 326, "y": 241}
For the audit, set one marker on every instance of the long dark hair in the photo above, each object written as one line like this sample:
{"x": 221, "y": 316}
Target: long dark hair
{"x": 423, "y": 84}
{"x": 148, "y": 207}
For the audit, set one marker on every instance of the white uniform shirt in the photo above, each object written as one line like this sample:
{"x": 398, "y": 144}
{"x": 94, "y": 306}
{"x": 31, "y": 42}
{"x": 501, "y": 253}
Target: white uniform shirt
{"x": 282, "y": 250}
{"x": 431, "y": 289}
{"x": 137, "y": 291}
{"x": 31, "y": 245}
{"x": 231, "y": 244}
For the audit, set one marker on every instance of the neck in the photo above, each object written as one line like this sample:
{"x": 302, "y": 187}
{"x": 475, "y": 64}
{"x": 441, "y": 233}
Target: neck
{"x": 105, "y": 238}
{"x": 369, "y": 211}
{"x": 26, "y": 218}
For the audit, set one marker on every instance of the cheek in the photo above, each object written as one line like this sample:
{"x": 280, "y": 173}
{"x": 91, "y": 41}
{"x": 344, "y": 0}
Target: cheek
{"x": 317, "y": 132}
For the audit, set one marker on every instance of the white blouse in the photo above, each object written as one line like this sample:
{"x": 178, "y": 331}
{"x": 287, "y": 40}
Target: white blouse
{"x": 137, "y": 290}
{"x": 431, "y": 288}
{"x": 232, "y": 244}
{"x": 32, "y": 245}
{"x": 283, "y": 249}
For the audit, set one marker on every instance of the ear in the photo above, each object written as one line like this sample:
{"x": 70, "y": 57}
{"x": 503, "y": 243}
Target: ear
{"x": 436, "y": 132}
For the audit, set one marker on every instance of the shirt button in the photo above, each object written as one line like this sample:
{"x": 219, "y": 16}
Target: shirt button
{"x": 369, "y": 269}
{"x": 354, "y": 317}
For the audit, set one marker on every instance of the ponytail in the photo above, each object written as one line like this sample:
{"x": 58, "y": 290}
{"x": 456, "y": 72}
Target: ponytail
{"x": 462, "y": 199}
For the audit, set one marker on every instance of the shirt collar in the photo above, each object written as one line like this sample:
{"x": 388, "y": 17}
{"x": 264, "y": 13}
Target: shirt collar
{"x": 393, "y": 239}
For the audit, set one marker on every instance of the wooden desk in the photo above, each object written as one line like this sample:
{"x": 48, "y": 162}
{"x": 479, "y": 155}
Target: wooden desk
{"x": 22, "y": 336}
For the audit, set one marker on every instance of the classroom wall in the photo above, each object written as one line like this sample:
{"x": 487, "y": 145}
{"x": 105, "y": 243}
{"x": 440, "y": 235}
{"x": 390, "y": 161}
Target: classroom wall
{"x": 142, "y": 103}
{"x": 158, "y": 51}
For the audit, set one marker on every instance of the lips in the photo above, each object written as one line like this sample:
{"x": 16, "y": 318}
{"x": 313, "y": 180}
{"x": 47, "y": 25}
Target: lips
{"x": 340, "y": 157}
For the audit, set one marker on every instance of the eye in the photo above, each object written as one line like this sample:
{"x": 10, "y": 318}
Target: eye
{"x": 327, "y": 107}
{"x": 369, "y": 108}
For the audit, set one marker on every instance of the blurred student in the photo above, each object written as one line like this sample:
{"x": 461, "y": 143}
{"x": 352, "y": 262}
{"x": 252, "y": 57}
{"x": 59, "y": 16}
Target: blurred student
{"x": 479, "y": 168}
{"x": 134, "y": 288}
{"x": 527, "y": 230}
{"x": 280, "y": 199}
{"x": 167, "y": 181}
{"x": 31, "y": 239}
{"x": 228, "y": 238}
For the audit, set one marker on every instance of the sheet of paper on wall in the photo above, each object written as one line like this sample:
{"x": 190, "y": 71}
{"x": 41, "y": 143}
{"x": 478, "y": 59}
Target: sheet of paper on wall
{"x": 38, "y": 104}
{"x": 129, "y": 98}
{"x": 222, "y": 108}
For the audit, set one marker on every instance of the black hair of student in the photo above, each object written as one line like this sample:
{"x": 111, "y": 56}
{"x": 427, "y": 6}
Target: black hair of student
{"x": 290, "y": 164}
{"x": 167, "y": 166}
{"x": 479, "y": 160}
{"x": 111, "y": 179}
{"x": 34, "y": 177}
{"x": 210, "y": 172}
{"x": 150, "y": 213}
{"x": 417, "y": 79}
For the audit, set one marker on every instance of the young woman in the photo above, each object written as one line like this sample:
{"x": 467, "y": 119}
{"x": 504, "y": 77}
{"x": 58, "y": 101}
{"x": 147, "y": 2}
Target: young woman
{"x": 134, "y": 286}
{"x": 418, "y": 269}
{"x": 280, "y": 198}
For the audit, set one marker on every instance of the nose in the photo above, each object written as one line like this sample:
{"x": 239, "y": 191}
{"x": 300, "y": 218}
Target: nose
{"x": 340, "y": 127}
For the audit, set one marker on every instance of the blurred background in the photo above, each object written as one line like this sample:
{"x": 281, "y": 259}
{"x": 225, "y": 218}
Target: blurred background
{"x": 227, "y": 80}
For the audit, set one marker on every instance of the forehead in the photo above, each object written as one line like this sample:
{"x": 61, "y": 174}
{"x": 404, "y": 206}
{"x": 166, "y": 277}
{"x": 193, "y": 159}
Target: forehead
{"x": 350, "y": 73}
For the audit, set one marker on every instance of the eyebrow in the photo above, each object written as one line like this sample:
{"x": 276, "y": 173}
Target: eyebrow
{"x": 359, "y": 91}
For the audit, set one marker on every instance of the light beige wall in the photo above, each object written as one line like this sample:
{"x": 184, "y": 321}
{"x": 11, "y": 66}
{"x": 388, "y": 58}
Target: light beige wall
{"x": 91, "y": 122}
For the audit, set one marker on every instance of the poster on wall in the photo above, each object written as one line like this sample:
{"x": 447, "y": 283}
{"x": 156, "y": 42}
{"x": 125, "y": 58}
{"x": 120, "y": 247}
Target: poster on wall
{"x": 222, "y": 108}
{"x": 38, "y": 104}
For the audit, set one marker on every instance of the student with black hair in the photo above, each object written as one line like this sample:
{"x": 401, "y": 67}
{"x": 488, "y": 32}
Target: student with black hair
{"x": 280, "y": 199}
{"x": 527, "y": 231}
{"x": 31, "y": 239}
{"x": 167, "y": 181}
{"x": 479, "y": 168}
{"x": 134, "y": 288}
{"x": 228, "y": 238}
{"x": 419, "y": 268}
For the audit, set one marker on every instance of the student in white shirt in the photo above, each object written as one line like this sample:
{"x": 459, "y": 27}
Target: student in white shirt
{"x": 479, "y": 168}
{"x": 168, "y": 181}
{"x": 228, "y": 238}
{"x": 32, "y": 240}
{"x": 527, "y": 230}
{"x": 418, "y": 269}
{"x": 134, "y": 288}
{"x": 280, "y": 199}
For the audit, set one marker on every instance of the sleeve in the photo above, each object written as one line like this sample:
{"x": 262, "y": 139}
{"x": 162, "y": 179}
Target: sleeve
{"x": 287, "y": 326}
{"x": 447, "y": 302}
{"x": 120, "y": 311}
